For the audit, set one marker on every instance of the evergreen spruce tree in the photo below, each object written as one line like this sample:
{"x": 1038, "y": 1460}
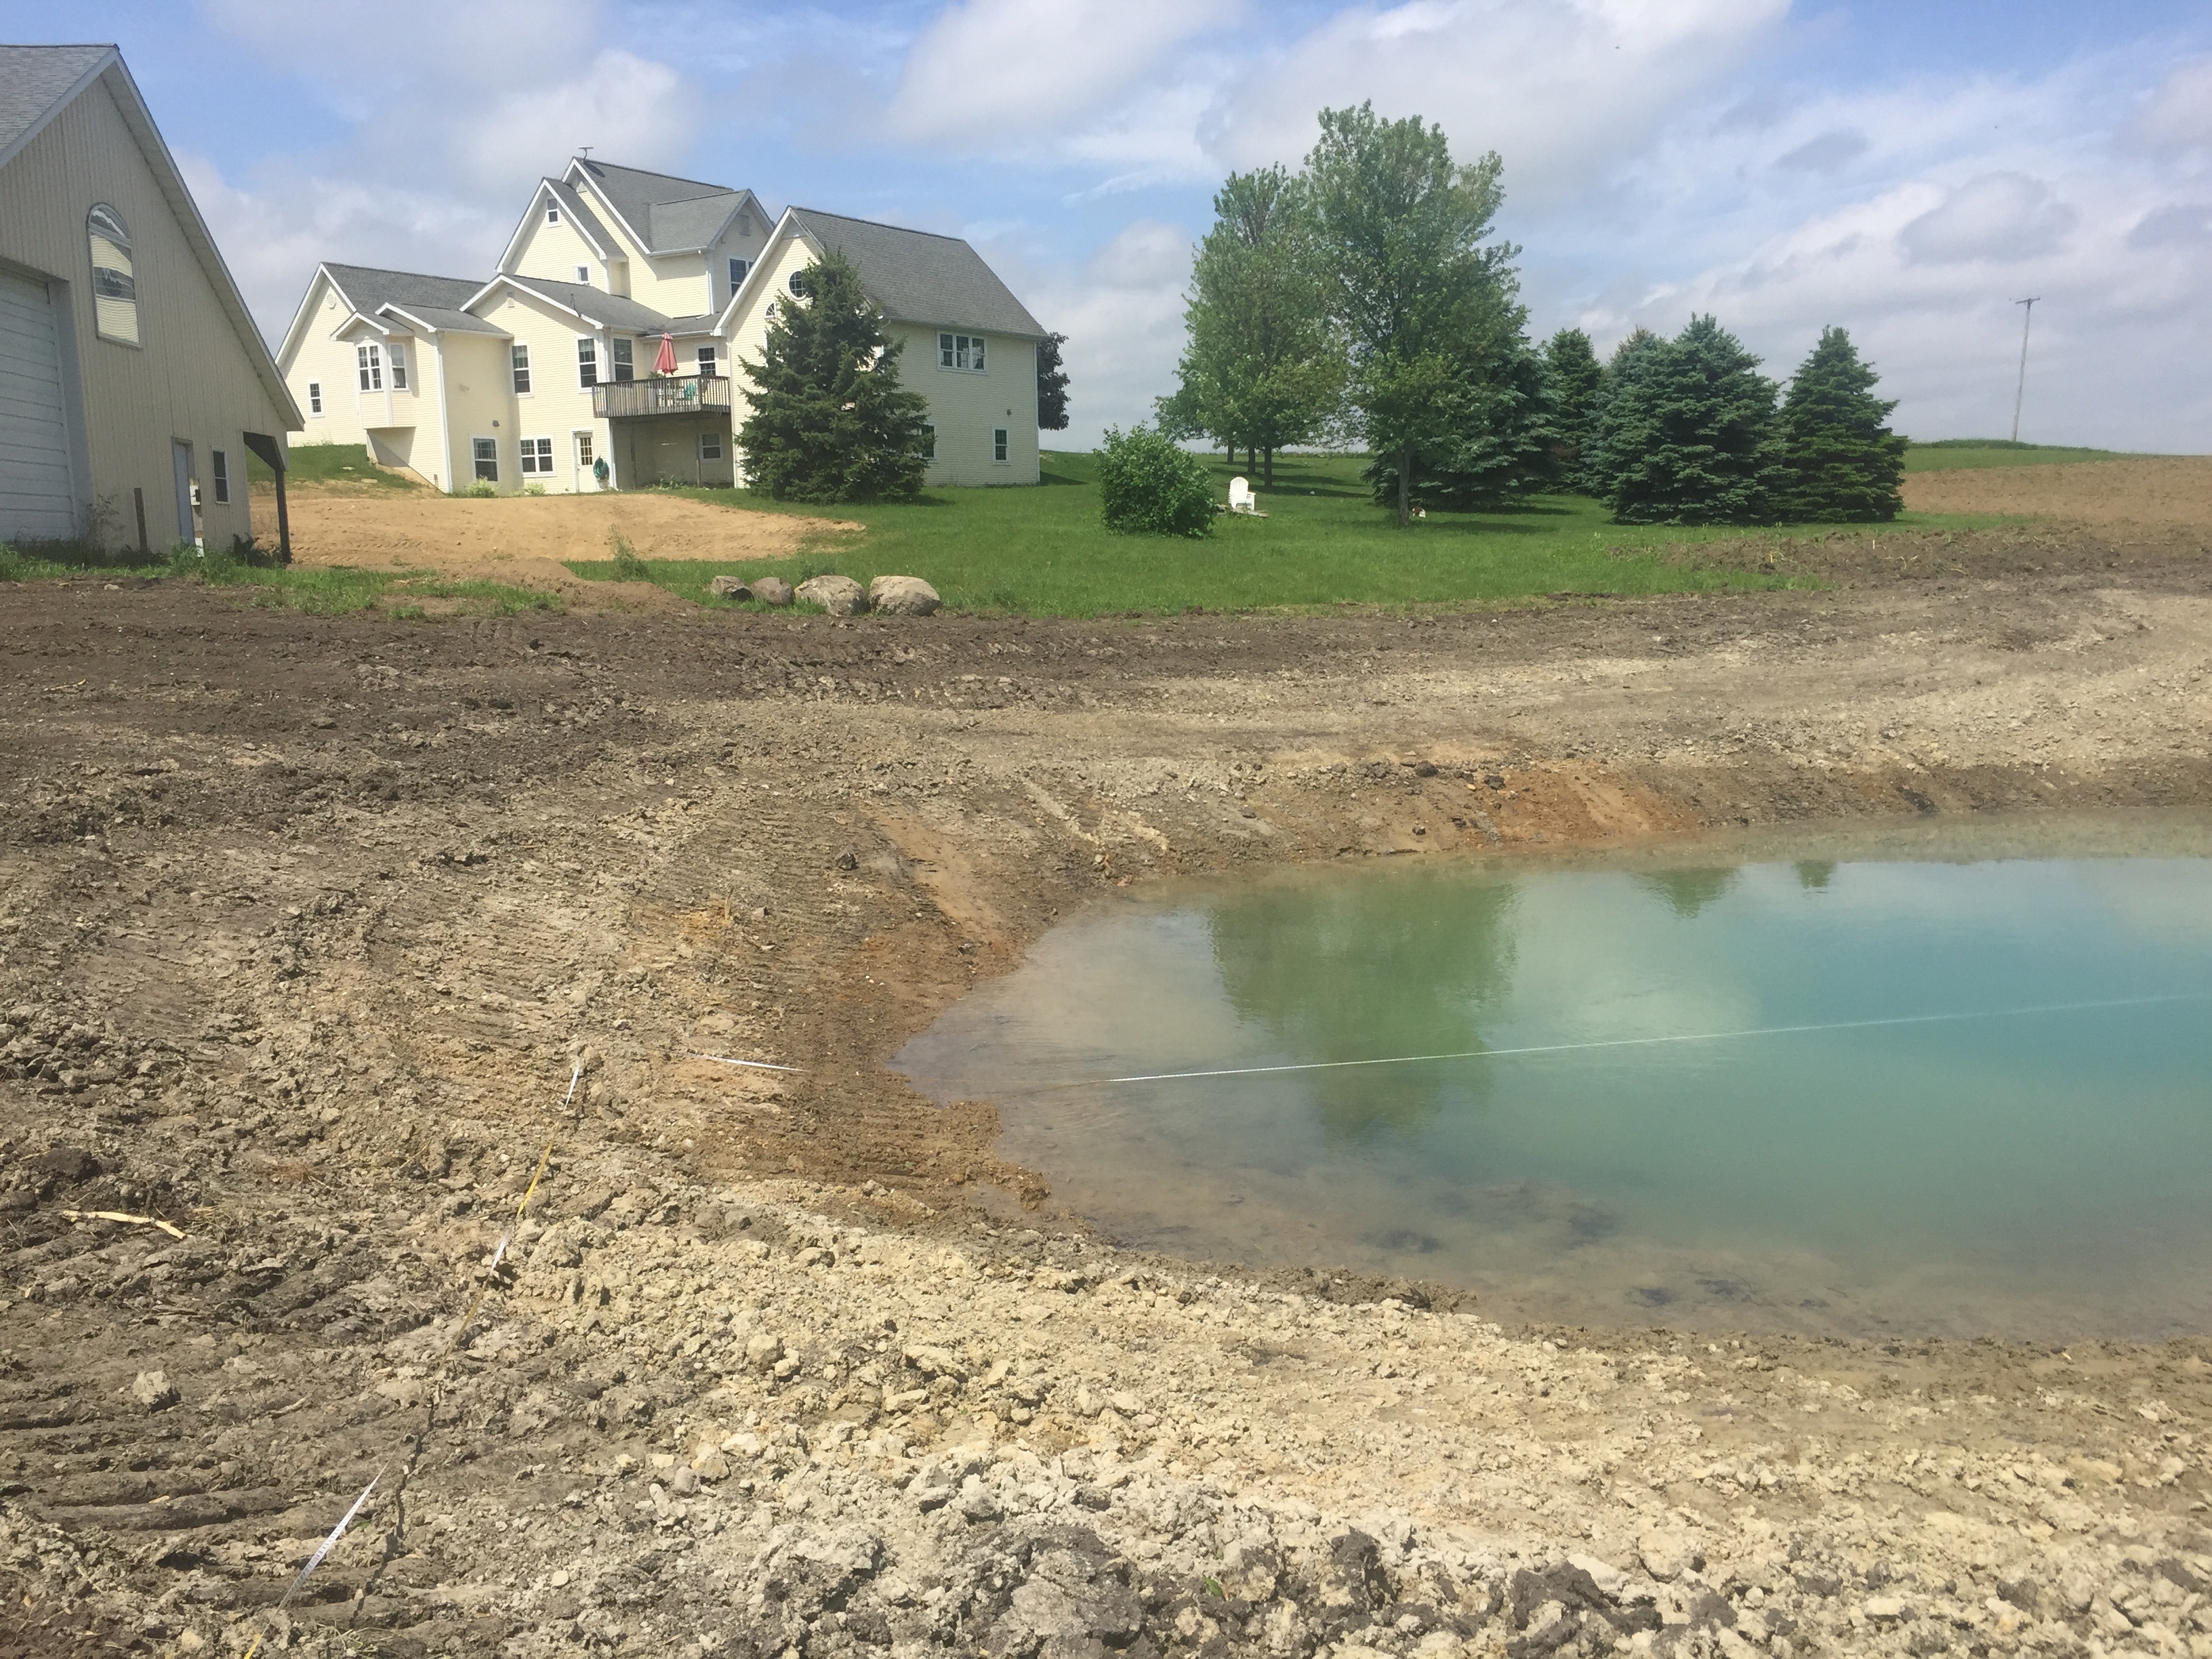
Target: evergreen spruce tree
{"x": 1688, "y": 433}
{"x": 1501, "y": 442}
{"x": 1605, "y": 437}
{"x": 1840, "y": 462}
{"x": 1052, "y": 385}
{"x": 829, "y": 421}
{"x": 1576, "y": 379}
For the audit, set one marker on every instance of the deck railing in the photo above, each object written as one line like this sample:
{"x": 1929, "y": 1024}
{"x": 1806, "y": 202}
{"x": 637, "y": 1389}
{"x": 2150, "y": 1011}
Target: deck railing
{"x": 672, "y": 394}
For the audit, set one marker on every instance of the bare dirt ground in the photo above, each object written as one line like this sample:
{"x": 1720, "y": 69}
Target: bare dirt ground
{"x": 2169, "y": 495}
{"x": 526, "y": 540}
{"x": 306, "y": 924}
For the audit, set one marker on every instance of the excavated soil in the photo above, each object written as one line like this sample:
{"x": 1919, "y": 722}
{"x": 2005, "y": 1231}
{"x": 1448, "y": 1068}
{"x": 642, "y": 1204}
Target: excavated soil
{"x": 525, "y": 540}
{"x": 2166, "y": 494}
{"x": 316, "y": 934}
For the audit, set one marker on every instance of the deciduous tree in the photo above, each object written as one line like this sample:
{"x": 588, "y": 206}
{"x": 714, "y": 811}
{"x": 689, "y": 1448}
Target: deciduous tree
{"x": 830, "y": 420}
{"x": 1052, "y": 385}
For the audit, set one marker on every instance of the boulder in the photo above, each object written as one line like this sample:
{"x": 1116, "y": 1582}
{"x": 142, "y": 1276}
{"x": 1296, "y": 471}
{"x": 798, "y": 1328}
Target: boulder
{"x": 840, "y": 596}
{"x": 730, "y": 587}
{"x": 901, "y": 596}
{"x": 772, "y": 589}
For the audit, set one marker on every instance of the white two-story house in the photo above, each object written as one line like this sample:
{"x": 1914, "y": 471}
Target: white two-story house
{"x": 606, "y": 351}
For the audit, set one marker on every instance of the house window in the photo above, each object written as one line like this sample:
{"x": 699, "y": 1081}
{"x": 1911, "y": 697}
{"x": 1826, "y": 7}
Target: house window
{"x": 587, "y": 362}
{"x": 707, "y": 358}
{"x": 314, "y": 397}
{"x": 929, "y": 441}
{"x": 962, "y": 351}
{"x": 625, "y": 368}
{"x": 552, "y": 216}
{"x": 114, "y": 278}
{"x": 737, "y": 269}
{"x": 584, "y": 275}
{"x": 797, "y": 283}
{"x": 486, "y": 451}
{"x": 222, "y": 476}
{"x": 710, "y": 445}
{"x": 368, "y": 361}
{"x": 584, "y": 451}
{"x": 521, "y": 355}
{"x": 537, "y": 457}
{"x": 997, "y": 443}
{"x": 398, "y": 366}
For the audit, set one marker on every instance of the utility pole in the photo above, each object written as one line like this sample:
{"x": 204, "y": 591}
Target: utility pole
{"x": 2020, "y": 390}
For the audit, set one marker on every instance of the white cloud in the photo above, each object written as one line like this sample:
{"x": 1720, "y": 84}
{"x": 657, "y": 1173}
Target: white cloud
{"x": 2178, "y": 116}
{"x": 2000, "y": 217}
{"x": 1564, "y": 91}
{"x": 1122, "y": 315}
{"x": 995, "y": 72}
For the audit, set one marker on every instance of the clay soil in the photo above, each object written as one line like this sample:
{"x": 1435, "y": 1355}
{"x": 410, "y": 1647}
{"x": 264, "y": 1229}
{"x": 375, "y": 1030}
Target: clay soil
{"x": 525, "y": 541}
{"x": 2171, "y": 494}
{"x": 316, "y": 933}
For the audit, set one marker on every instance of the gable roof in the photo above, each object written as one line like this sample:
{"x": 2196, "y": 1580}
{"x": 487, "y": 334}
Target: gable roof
{"x": 440, "y": 319}
{"x": 662, "y": 213}
{"x": 369, "y": 291}
{"x": 38, "y": 83}
{"x": 579, "y": 216}
{"x": 596, "y": 305}
{"x": 918, "y": 276}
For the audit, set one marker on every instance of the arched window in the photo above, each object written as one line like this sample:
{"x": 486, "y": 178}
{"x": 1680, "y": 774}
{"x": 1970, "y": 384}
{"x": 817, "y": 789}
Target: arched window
{"x": 114, "y": 284}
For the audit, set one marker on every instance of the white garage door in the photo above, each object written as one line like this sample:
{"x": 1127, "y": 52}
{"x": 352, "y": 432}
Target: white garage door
{"x": 36, "y": 499}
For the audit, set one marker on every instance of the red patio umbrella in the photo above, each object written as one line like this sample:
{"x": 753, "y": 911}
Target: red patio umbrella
{"x": 665, "y": 363}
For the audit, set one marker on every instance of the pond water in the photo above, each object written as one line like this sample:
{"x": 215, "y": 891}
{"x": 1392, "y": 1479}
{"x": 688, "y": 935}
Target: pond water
{"x": 1958, "y": 1082}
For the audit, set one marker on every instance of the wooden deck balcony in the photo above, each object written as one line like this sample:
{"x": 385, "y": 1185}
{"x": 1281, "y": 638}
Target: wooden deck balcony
{"x": 666, "y": 394}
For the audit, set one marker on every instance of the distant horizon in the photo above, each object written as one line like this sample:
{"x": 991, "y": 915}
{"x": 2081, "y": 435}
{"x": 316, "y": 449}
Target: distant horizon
{"x": 1905, "y": 171}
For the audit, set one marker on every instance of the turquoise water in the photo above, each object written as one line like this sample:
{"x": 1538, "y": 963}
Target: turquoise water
{"x": 1845, "y": 1091}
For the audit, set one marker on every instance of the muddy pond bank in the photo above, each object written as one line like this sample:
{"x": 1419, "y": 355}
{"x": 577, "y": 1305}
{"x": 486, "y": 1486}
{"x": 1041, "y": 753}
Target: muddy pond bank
{"x": 308, "y": 923}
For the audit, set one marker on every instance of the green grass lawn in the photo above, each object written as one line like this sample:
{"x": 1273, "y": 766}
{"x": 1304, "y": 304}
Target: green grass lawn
{"x": 327, "y": 464}
{"x": 1949, "y": 454}
{"x": 1043, "y": 552}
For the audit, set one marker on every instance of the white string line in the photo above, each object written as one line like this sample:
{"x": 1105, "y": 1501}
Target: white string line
{"x": 749, "y": 1065}
{"x": 1634, "y": 1042}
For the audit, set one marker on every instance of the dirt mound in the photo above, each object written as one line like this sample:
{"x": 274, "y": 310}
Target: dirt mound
{"x": 528, "y": 540}
{"x": 2169, "y": 493}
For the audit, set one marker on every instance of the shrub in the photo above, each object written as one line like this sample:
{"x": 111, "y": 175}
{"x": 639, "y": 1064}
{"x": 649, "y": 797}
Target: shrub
{"x": 629, "y": 567}
{"x": 482, "y": 489}
{"x": 1150, "y": 488}
{"x": 533, "y": 490}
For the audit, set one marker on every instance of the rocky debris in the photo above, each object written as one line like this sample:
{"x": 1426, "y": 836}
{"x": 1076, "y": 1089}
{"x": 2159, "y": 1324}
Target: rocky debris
{"x": 730, "y": 587}
{"x": 901, "y": 596}
{"x": 152, "y": 1390}
{"x": 772, "y": 589}
{"x": 840, "y": 596}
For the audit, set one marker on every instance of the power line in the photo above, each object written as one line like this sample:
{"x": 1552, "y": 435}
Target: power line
{"x": 2020, "y": 390}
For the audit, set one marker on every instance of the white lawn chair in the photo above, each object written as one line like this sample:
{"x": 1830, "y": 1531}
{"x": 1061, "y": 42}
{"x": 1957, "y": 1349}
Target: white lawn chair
{"x": 1241, "y": 499}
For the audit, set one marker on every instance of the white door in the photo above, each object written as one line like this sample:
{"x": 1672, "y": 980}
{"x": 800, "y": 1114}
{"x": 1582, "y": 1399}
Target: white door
{"x": 37, "y": 496}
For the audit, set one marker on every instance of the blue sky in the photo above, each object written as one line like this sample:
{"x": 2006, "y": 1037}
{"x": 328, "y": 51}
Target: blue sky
{"x": 1904, "y": 170}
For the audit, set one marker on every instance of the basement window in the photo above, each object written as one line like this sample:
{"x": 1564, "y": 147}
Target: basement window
{"x": 710, "y": 445}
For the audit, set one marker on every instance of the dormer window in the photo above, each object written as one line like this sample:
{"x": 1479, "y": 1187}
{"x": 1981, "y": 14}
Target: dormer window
{"x": 552, "y": 216}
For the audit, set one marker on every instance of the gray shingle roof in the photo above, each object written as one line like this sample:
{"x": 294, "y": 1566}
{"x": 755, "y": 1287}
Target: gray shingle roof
{"x": 577, "y": 209}
{"x": 368, "y": 290}
{"x": 33, "y": 77}
{"x": 611, "y": 309}
{"x": 447, "y": 320}
{"x": 918, "y": 276}
{"x": 673, "y": 214}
